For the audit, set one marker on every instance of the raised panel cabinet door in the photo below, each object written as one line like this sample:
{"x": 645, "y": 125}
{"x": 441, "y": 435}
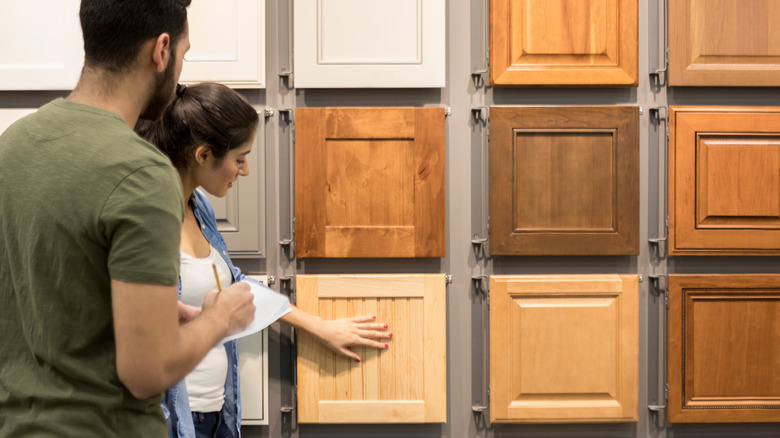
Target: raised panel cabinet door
{"x": 564, "y": 180}
{"x": 724, "y": 348}
{"x": 564, "y": 348}
{"x": 369, "y": 43}
{"x": 241, "y": 213}
{"x": 724, "y": 181}
{"x": 405, "y": 383}
{"x": 724, "y": 43}
{"x": 253, "y": 373}
{"x": 227, "y": 40}
{"x": 369, "y": 182}
{"x": 563, "y": 42}
{"x": 42, "y": 47}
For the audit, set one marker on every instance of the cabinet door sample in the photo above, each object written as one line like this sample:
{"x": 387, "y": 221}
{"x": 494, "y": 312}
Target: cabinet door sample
{"x": 369, "y": 182}
{"x": 724, "y": 181}
{"x": 10, "y": 115}
{"x": 563, "y": 42}
{"x": 42, "y": 47}
{"x": 405, "y": 383}
{"x": 241, "y": 214}
{"x": 253, "y": 369}
{"x": 724, "y": 348}
{"x": 564, "y": 348}
{"x": 227, "y": 43}
{"x": 564, "y": 180}
{"x": 724, "y": 43}
{"x": 369, "y": 43}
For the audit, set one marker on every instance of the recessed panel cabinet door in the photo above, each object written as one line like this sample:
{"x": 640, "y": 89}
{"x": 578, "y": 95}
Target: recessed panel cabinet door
{"x": 724, "y": 181}
{"x": 227, "y": 41}
{"x": 563, "y": 42}
{"x": 564, "y": 348}
{"x": 564, "y": 180}
{"x": 42, "y": 47}
{"x": 405, "y": 383}
{"x": 369, "y": 43}
{"x": 724, "y": 43}
{"x": 724, "y": 348}
{"x": 241, "y": 214}
{"x": 253, "y": 369}
{"x": 369, "y": 182}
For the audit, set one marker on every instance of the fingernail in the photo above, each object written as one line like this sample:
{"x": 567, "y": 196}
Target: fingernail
{"x": 357, "y": 360}
{"x": 374, "y": 317}
{"x": 386, "y": 345}
{"x": 385, "y": 325}
{"x": 390, "y": 335}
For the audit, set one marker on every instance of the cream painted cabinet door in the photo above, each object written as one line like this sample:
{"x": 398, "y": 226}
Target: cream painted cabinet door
{"x": 11, "y": 115}
{"x": 405, "y": 383}
{"x": 227, "y": 41}
{"x": 369, "y": 43}
{"x": 241, "y": 214}
{"x": 40, "y": 45}
{"x": 253, "y": 370}
{"x": 564, "y": 348}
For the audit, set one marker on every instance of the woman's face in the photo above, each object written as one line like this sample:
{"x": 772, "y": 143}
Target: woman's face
{"x": 217, "y": 177}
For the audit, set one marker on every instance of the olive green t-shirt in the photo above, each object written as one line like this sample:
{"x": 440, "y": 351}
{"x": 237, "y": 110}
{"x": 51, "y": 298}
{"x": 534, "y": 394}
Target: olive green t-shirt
{"x": 83, "y": 200}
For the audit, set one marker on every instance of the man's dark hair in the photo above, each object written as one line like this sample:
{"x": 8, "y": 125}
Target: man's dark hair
{"x": 114, "y": 30}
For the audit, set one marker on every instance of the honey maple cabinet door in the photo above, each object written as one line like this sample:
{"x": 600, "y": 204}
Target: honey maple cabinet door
{"x": 369, "y": 43}
{"x": 564, "y": 348}
{"x": 369, "y": 182}
{"x": 564, "y": 180}
{"x": 724, "y": 181}
{"x": 724, "y": 348}
{"x": 405, "y": 383}
{"x": 563, "y": 42}
{"x": 724, "y": 43}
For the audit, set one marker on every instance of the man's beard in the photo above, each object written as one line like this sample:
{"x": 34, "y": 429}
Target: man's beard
{"x": 164, "y": 90}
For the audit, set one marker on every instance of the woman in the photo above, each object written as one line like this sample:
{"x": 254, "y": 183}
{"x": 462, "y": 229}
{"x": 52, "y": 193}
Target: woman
{"x": 207, "y": 132}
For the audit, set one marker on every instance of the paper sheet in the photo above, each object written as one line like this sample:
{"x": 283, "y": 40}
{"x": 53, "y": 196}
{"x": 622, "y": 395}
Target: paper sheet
{"x": 269, "y": 306}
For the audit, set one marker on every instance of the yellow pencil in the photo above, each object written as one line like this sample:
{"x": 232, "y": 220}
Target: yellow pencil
{"x": 216, "y": 276}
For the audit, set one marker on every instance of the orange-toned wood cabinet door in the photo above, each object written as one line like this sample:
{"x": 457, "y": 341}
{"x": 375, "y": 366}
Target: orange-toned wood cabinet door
{"x": 724, "y": 348}
{"x": 564, "y": 348}
{"x": 564, "y": 180}
{"x": 724, "y": 43}
{"x": 405, "y": 383}
{"x": 724, "y": 181}
{"x": 563, "y": 42}
{"x": 369, "y": 182}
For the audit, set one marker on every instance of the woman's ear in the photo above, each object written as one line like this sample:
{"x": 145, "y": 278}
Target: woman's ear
{"x": 202, "y": 154}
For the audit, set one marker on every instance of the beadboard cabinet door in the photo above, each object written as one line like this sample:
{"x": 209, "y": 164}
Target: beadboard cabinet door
{"x": 563, "y": 42}
{"x": 724, "y": 348}
{"x": 227, "y": 41}
{"x": 724, "y": 181}
{"x": 564, "y": 348}
{"x": 241, "y": 214}
{"x": 369, "y": 43}
{"x": 253, "y": 373}
{"x": 405, "y": 383}
{"x": 564, "y": 180}
{"x": 42, "y": 47}
{"x": 369, "y": 182}
{"x": 724, "y": 43}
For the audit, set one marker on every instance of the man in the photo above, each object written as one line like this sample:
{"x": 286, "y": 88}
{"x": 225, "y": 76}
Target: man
{"x": 90, "y": 219}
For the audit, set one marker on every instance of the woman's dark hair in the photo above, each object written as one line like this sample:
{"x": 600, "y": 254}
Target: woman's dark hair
{"x": 114, "y": 30}
{"x": 208, "y": 114}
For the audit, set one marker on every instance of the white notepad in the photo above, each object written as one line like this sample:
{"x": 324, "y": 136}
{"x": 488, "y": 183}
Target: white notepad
{"x": 269, "y": 306}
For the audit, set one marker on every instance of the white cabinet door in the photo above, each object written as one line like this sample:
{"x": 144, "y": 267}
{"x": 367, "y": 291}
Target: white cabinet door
{"x": 10, "y": 115}
{"x": 227, "y": 40}
{"x": 253, "y": 370}
{"x": 40, "y": 45}
{"x": 369, "y": 43}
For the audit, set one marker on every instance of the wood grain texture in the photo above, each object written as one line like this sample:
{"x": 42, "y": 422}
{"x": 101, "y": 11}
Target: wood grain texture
{"x": 564, "y": 348}
{"x": 563, "y": 42}
{"x": 564, "y": 180}
{"x": 369, "y": 182}
{"x": 724, "y": 348}
{"x": 724, "y": 43}
{"x": 724, "y": 181}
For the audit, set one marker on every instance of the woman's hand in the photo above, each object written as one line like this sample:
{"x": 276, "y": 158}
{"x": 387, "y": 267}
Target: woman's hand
{"x": 338, "y": 334}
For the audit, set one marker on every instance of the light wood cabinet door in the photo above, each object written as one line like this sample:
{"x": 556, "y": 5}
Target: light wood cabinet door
{"x": 564, "y": 180}
{"x": 405, "y": 383}
{"x": 724, "y": 43}
{"x": 369, "y": 43}
{"x": 724, "y": 348}
{"x": 369, "y": 182}
{"x": 241, "y": 213}
{"x": 564, "y": 348}
{"x": 253, "y": 374}
{"x": 42, "y": 47}
{"x": 724, "y": 181}
{"x": 563, "y": 42}
{"x": 227, "y": 43}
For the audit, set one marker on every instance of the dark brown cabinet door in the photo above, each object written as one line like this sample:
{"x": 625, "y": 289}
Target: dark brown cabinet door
{"x": 564, "y": 180}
